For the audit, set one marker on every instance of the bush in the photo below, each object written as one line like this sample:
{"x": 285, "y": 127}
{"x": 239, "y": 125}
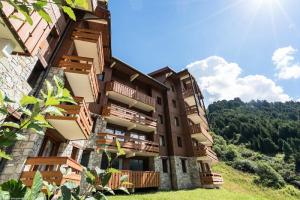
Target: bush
{"x": 231, "y": 154}
{"x": 268, "y": 176}
{"x": 245, "y": 165}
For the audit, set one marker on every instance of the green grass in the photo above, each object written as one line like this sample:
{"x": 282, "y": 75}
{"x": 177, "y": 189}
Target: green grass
{"x": 237, "y": 186}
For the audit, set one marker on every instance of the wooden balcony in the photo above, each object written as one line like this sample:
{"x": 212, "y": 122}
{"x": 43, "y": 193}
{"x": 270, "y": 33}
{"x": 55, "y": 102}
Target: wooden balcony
{"x": 76, "y": 123}
{"x": 204, "y": 153}
{"x": 88, "y": 43}
{"x": 199, "y": 133}
{"x": 129, "y": 96}
{"x": 81, "y": 75}
{"x": 128, "y": 118}
{"x": 189, "y": 97}
{"x": 197, "y": 115}
{"x": 138, "y": 179}
{"x": 211, "y": 179}
{"x": 50, "y": 170}
{"x": 132, "y": 146}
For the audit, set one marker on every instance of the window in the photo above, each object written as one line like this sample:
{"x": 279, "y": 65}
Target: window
{"x": 174, "y": 103}
{"x": 158, "y": 100}
{"x": 85, "y": 157}
{"x": 162, "y": 141}
{"x": 36, "y": 73}
{"x": 74, "y": 153}
{"x": 136, "y": 165}
{"x": 164, "y": 165}
{"x": 179, "y": 142}
{"x": 160, "y": 119}
{"x": 173, "y": 88}
{"x": 101, "y": 76}
{"x": 176, "y": 121}
{"x": 183, "y": 165}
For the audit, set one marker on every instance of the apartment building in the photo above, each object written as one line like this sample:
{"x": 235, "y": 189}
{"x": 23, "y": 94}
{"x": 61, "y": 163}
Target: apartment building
{"x": 159, "y": 118}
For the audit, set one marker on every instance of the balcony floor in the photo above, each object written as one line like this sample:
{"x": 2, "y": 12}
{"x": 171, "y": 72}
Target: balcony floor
{"x": 190, "y": 100}
{"x": 201, "y": 138}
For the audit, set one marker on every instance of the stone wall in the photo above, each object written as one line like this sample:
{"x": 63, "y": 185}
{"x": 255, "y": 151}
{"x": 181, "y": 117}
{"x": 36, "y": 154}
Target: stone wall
{"x": 187, "y": 180}
{"x": 165, "y": 179}
{"x": 14, "y": 72}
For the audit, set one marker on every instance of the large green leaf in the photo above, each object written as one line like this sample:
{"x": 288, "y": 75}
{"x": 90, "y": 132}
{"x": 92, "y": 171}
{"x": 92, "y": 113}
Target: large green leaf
{"x": 124, "y": 189}
{"x": 4, "y": 155}
{"x": 49, "y": 89}
{"x": 15, "y": 188}
{"x": 10, "y": 124}
{"x": 66, "y": 193}
{"x": 69, "y": 11}
{"x": 52, "y": 110}
{"x": 26, "y": 100}
{"x": 105, "y": 179}
{"x": 35, "y": 191}
{"x": 120, "y": 150}
{"x": 52, "y": 101}
{"x": 4, "y": 195}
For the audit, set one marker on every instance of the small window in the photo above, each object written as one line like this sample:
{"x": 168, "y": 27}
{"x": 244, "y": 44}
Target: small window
{"x": 179, "y": 142}
{"x": 85, "y": 157}
{"x": 164, "y": 165}
{"x": 162, "y": 141}
{"x": 183, "y": 164}
{"x": 74, "y": 153}
{"x": 172, "y": 88}
{"x": 160, "y": 119}
{"x": 158, "y": 100}
{"x": 174, "y": 103}
{"x": 176, "y": 121}
{"x": 101, "y": 76}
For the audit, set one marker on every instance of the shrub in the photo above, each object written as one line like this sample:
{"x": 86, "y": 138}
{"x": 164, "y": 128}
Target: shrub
{"x": 231, "y": 154}
{"x": 268, "y": 177}
{"x": 245, "y": 165}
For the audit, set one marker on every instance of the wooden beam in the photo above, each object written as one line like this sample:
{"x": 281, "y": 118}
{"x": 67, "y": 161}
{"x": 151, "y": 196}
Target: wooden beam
{"x": 112, "y": 64}
{"x": 134, "y": 76}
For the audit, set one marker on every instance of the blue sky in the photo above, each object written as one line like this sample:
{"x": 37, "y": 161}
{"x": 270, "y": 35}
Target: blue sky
{"x": 218, "y": 40}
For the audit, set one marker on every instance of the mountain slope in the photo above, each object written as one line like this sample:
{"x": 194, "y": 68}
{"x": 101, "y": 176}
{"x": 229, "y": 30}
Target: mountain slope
{"x": 237, "y": 186}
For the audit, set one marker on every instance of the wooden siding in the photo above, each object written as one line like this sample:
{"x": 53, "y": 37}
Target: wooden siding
{"x": 138, "y": 179}
{"x": 129, "y": 92}
{"x": 50, "y": 170}
{"x": 81, "y": 65}
{"x": 127, "y": 143}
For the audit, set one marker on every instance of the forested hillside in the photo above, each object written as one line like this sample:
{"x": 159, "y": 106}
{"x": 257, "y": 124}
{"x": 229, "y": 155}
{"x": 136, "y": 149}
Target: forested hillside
{"x": 270, "y": 130}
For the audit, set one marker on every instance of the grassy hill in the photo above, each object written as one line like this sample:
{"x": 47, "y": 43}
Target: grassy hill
{"x": 237, "y": 186}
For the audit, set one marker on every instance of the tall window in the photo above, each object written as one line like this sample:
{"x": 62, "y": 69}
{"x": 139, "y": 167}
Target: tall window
{"x": 160, "y": 119}
{"x": 183, "y": 165}
{"x": 179, "y": 142}
{"x": 162, "y": 141}
{"x": 158, "y": 100}
{"x": 164, "y": 165}
{"x": 85, "y": 157}
{"x": 176, "y": 121}
{"x": 174, "y": 103}
{"x": 173, "y": 88}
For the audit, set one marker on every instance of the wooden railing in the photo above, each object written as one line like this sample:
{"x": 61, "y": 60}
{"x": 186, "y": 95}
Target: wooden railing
{"x": 50, "y": 170}
{"x": 138, "y": 179}
{"x": 130, "y": 92}
{"x": 197, "y": 128}
{"x": 128, "y": 143}
{"x": 88, "y": 35}
{"x": 211, "y": 179}
{"x": 203, "y": 151}
{"x": 79, "y": 112}
{"x": 190, "y": 110}
{"x": 81, "y": 65}
{"x": 130, "y": 115}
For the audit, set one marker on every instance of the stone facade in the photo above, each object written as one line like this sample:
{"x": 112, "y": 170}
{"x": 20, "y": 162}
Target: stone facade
{"x": 189, "y": 179}
{"x": 14, "y": 72}
{"x": 165, "y": 179}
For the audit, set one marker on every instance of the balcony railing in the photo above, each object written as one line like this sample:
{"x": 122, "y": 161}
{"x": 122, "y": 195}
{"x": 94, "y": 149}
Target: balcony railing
{"x": 81, "y": 75}
{"x": 187, "y": 93}
{"x": 76, "y": 123}
{"x": 50, "y": 170}
{"x": 138, "y": 179}
{"x": 129, "y": 144}
{"x": 88, "y": 43}
{"x": 128, "y": 118}
{"x": 197, "y": 115}
{"x": 205, "y": 153}
{"x": 130, "y": 96}
{"x": 211, "y": 179}
{"x": 200, "y": 133}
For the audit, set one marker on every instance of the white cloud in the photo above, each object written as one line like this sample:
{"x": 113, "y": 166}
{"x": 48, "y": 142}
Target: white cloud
{"x": 286, "y": 66}
{"x": 220, "y": 80}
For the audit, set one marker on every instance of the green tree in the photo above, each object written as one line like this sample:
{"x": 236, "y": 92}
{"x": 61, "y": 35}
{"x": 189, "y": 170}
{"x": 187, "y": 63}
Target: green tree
{"x": 287, "y": 150}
